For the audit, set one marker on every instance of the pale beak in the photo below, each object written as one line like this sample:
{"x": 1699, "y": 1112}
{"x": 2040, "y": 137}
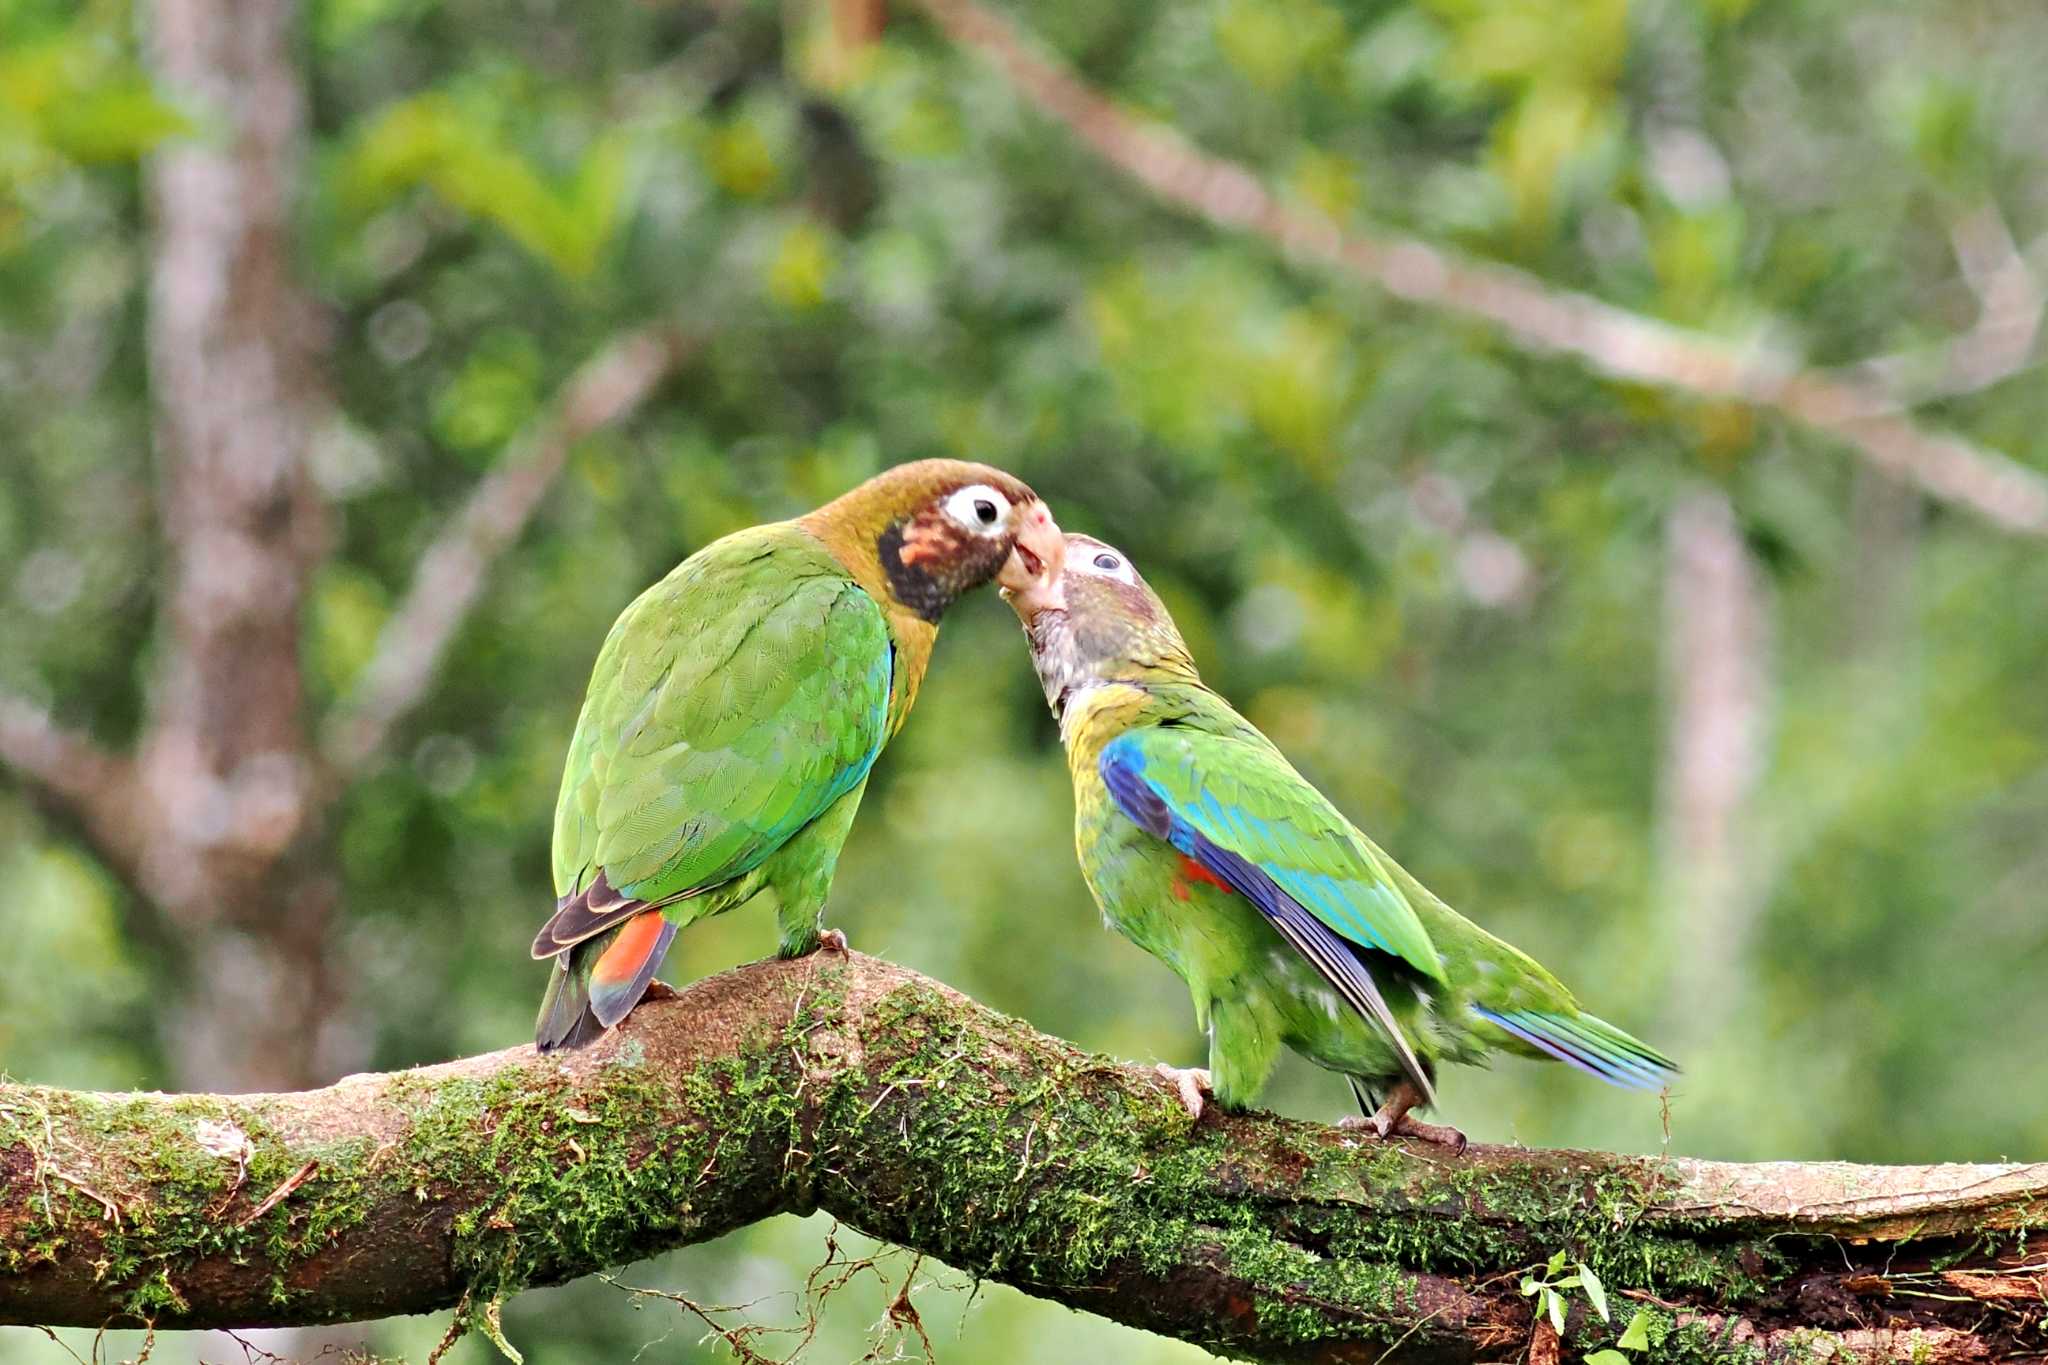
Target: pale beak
{"x": 1030, "y": 577}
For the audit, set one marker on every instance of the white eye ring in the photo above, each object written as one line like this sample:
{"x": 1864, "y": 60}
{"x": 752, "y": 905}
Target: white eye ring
{"x": 979, "y": 508}
{"x": 1104, "y": 562}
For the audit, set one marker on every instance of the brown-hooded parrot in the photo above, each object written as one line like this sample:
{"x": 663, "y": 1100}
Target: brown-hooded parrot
{"x": 1206, "y": 848}
{"x": 734, "y": 714}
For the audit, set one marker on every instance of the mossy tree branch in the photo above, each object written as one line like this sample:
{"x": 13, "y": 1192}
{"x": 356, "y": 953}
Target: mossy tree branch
{"x": 922, "y": 1118}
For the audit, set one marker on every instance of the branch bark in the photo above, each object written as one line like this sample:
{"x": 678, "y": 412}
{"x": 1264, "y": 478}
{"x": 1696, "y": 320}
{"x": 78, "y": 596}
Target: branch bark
{"x": 920, "y": 1117}
{"x": 1534, "y": 315}
{"x": 451, "y": 574}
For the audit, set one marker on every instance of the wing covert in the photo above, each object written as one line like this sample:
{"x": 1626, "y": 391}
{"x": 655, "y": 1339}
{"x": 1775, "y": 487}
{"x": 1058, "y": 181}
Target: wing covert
{"x": 731, "y": 705}
{"x": 1192, "y": 810}
{"x": 1244, "y": 798}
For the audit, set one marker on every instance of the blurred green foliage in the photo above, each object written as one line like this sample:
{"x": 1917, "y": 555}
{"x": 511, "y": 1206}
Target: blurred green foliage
{"x": 1430, "y": 565}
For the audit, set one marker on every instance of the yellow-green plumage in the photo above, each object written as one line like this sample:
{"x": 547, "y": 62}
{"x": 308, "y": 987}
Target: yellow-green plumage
{"x": 733, "y": 716}
{"x": 1205, "y": 847}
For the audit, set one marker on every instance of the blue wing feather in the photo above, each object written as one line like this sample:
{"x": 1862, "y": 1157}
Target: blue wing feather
{"x": 1337, "y": 902}
{"x": 1122, "y": 768}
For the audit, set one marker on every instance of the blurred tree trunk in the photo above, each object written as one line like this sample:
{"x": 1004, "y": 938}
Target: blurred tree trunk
{"x": 922, "y": 1118}
{"x": 226, "y": 772}
{"x": 1717, "y": 685}
{"x": 219, "y": 823}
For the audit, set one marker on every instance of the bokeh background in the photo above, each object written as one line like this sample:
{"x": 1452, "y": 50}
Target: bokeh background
{"x": 1745, "y": 739}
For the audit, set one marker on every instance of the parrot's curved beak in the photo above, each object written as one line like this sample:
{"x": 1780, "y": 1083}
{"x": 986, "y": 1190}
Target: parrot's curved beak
{"x": 1030, "y": 577}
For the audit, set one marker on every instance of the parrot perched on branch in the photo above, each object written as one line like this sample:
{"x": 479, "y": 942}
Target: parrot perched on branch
{"x": 1204, "y": 847}
{"x": 735, "y": 710}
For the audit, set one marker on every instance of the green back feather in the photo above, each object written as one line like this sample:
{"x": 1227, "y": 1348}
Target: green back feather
{"x": 1227, "y": 782}
{"x": 733, "y": 702}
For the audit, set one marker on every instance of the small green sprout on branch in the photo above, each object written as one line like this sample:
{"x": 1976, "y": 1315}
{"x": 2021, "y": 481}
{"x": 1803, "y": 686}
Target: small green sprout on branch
{"x": 1550, "y": 1290}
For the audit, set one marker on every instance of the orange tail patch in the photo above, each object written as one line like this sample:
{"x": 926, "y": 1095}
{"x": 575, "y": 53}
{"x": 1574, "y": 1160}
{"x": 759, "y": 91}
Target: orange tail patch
{"x": 620, "y": 975}
{"x": 622, "y": 961}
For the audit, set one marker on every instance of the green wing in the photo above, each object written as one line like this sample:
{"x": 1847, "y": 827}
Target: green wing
{"x": 1225, "y": 797}
{"x": 733, "y": 703}
{"x": 1514, "y": 992}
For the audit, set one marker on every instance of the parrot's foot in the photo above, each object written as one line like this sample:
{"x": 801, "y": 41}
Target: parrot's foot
{"x": 1393, "y": 1120}
{"x": 1442, "y": 1134}
{"x": 1193, "y": 1084}
{"x": 659, "y": 990}
{"x": 832, "y": 941}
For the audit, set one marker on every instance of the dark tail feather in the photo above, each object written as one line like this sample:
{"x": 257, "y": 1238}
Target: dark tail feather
{"x": 565, "y": 1017}
{"x": 596, "y": 984}
{"x": 584, "y": 915}
{"x": 626, "y": 960}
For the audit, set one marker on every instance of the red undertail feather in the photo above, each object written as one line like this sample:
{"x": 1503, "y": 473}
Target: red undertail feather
{"x": 1194, "y": 871}
{"x": 621, "y": 962}
{"x": 596, "y": 983}
{"x": 619, "y": 977}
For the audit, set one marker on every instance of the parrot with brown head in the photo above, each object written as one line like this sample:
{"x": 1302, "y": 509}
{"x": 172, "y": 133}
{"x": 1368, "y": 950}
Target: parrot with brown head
{"x": 736, "y": 709}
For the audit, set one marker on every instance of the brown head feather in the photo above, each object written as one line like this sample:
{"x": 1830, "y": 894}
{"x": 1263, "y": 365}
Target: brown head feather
{"x": 897, "y": 525}
{"x": 919, "y": 536}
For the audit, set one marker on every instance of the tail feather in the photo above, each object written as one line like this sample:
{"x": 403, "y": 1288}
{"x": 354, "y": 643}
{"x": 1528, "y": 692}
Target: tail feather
{"x": 619, "y": 976}
{"x": 584, "y": 915}
{"x": 596, "y": 983}
{"x": 1588, "y": 1044}
{"x": 565, "y": 1017}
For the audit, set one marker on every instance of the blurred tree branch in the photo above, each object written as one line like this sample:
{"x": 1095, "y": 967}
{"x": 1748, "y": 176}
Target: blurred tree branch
{"x": 2010, "y": 306}
{"x": 71, "y": 777}
{"x": 923, "y": 1118}
{"x": 1535, "y": 315}
{"x": 452, "y": 572}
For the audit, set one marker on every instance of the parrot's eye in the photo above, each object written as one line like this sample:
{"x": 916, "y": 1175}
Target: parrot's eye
{"x": 978, "y": 507}
{"x": 1110, "y": 564}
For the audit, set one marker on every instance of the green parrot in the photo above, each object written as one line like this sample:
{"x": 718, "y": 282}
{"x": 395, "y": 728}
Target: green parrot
{"x": 1204, "y": 847}
{"x": 735, "y": 711}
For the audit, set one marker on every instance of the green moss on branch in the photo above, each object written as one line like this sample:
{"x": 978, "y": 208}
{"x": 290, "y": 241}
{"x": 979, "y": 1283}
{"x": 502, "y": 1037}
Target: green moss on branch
{"x": 922, "y": 1118}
